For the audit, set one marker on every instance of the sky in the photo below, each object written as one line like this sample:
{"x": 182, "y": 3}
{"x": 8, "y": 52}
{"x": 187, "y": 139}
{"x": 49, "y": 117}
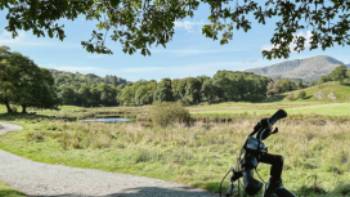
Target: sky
{"x": 188, "y": 54}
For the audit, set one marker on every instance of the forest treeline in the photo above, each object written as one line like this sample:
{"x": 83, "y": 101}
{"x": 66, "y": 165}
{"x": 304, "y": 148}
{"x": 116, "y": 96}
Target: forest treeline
{"x": 23, "y": 83}
{"x": 91, "y": 90}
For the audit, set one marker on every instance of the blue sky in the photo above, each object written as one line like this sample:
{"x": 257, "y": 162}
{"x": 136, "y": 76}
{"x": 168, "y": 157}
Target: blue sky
{"x": 188, "y": 54}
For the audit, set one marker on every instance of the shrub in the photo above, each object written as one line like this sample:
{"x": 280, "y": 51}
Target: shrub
{"x": 302, "y": 95}
{"x": 35, "y": 136}
{"x": 168, "y": 113}
{"x": 291, "y": 97}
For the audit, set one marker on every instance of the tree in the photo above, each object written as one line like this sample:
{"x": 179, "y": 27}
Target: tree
{"x": 144, "y": 93}
{"x": 25, "y": 84}
{"x": 7, "y": 87}
{"x": 163, "y": 93}
{"x": 187, "y": 90}
{"x": 68, "y": 96}
{"x": 240, "y": 86}
{"x": 87, "y": 89}
{"x": 140, "y": 24}
{"x": 209, "y": 92}
{"x": 108, "y": 95}
{"x": 193, "y": 91}
{"x": 340, "y": 73}
{"x": 127, "y": 95}
{"x": 282, "y": 85}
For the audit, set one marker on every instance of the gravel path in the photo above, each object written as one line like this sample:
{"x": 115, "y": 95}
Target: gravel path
{"x": 44, "y": 180}
{"x": 6, "y": 127}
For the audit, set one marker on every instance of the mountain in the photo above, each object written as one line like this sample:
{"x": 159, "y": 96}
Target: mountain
{"x": 308, "y": 69}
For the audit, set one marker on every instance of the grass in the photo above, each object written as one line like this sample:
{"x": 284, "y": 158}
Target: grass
{"x": 314, "y": 141}
{"x": 295, "y": 108}
{"x": 329, "y": 92}
{"x": 328, "y": 100}
{"x": 315, "y": 148}
{"x": 6, "y": 191}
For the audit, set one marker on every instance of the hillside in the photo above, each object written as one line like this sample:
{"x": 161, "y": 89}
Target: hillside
{"x": 330, "y": 91}
{"x": 308, "y": 70}
{"x": 70, "y": 77}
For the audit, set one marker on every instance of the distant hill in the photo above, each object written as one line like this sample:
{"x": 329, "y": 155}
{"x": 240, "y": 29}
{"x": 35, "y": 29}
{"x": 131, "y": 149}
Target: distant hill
{"x": 330, "y": 91}
{"x": 309, "y": 69}
{"x": 70, "y": 77}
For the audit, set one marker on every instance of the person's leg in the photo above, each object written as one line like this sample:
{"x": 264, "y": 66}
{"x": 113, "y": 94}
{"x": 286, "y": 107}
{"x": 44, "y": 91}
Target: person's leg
{"x": 276, "y": 162}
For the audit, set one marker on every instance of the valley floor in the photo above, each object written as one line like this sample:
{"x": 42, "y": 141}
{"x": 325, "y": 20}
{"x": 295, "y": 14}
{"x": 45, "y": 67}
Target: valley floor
{"x": 39, "y": 179}
{"x": 314, "y": 144}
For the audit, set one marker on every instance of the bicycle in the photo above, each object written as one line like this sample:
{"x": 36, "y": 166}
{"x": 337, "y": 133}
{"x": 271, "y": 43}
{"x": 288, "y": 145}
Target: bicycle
{"x": 252, "y": 153}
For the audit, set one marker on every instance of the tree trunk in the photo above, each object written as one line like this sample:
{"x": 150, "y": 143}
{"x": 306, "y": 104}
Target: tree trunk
{"x": 8, "y": 107}
{"x": 24, "y": 109}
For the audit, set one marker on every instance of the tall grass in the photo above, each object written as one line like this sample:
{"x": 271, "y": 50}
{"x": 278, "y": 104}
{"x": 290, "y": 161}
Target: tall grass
{"x": 316, "y": 150}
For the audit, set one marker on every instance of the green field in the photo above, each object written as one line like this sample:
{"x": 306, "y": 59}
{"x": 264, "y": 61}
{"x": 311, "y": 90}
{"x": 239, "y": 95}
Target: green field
{"x": 328, "y": 100}
{"x": 315, "y": 147}
{"x": 294, "y": 108}
{"x": 326, "y": 92}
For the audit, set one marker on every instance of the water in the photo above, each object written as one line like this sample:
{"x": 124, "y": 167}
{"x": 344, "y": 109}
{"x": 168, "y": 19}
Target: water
{"x": 108, "y": 120}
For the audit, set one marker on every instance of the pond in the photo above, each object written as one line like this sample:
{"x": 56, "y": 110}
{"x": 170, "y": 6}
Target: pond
{"x": 108, "y": 120}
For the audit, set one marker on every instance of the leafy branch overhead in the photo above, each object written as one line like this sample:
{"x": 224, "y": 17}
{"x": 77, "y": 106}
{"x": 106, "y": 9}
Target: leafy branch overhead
{"x": 139, "y": 24}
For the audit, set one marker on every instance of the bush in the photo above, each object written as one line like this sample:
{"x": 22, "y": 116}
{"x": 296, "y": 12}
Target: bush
{"x": 302, "y": 95}
{"x": 167, "y": 113}
{"x": 291, "y": 97}
{"x": 35, "y": 136}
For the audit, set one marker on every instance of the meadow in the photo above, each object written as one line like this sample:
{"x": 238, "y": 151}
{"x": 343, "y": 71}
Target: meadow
{"x": 314, "y": 141}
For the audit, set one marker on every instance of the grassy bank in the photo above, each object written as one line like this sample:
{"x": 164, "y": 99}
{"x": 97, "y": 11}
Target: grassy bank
{"x": 326, "y": 92}
{"x": 6, "y": 191}
{"x": 296, "y": 108}
{"x": 315, "y": 149}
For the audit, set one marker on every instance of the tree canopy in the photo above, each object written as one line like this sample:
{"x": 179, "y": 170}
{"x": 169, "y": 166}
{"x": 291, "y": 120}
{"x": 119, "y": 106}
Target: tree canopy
{"x": 139, "y": 24}
{"x": 340, "y": 73}
{"x": 87, "y": 90}
{"x": 23, "y": 83}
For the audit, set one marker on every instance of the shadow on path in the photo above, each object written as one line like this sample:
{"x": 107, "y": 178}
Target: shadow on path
{"x": 147, "y": 192}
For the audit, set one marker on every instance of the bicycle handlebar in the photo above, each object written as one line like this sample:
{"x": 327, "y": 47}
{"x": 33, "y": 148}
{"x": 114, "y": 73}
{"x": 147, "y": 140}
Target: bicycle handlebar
{"x": 277, "y": 116}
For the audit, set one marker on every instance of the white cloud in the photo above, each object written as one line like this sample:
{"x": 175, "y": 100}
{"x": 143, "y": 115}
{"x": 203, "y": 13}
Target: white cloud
{"x": 306, "y": 34}
{"x": 189, "y": 26}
